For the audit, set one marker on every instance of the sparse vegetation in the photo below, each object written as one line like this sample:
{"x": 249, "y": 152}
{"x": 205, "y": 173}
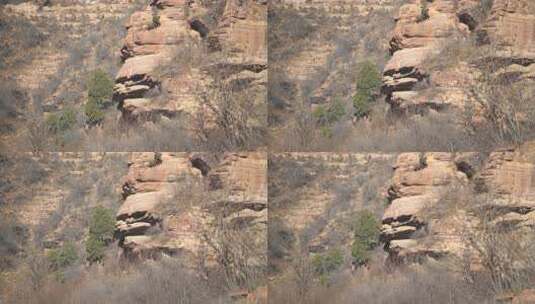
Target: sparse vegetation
{"x": 239, "y": 121}
{"x": 327, "y": 262}
{"x": 63, "y": 256}
{"x": 101, "y": 228}
{"x": 366, "y": 237}
{"x": 330, "y": 114}
{"x": 368, "y": 84}
{"x": 17, "y": 33}
{"x": 65, "y": 120}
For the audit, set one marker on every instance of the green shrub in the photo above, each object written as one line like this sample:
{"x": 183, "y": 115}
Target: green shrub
{"x": 366, "y": 229}
{"x": 328, "y": 262}
{"x": 99, "y": 95}
{"x": 361, "y": 105}
{"x": 366, "y": 237}
{"x": 330, "y": 114}
{"x": 101, "y": 228}
{"x": 359, "y": 253}
{"x": 57, "y": 123}
{"x": 102, "y": 224}
{"x": 368, "y": 78}
{"x": 62, "y": 257}
{"x": 94, "y": 249}
{"x": 326, "y": 131}
{"x": 368, "y": 84}
{"x": 93, "y": 113}
{"x": 99, "y": 89}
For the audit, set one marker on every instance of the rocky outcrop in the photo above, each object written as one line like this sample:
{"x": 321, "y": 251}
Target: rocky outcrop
{"x": 172, "y": 200}
{"x": 438, "y": 199}
{"x": 431, "y": 31}
{"x": 423, "y": 28}
{"x": 508, "y": 177}
{"x": 153, "y": 37}
{"x": 170, "y": 55}
{"x": 420, "y": 181}
{"x": 510, "y": 26}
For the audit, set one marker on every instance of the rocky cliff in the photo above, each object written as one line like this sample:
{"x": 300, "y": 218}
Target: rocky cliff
{"x": 172, "y": 55}
{"x": 428, "y": 31}
{"x": 175, "y": 202}
{"x": 439, "y": 201}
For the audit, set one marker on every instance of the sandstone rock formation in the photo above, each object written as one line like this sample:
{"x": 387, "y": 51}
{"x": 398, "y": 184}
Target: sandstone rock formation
{"x": 419, "y": 183}
{"x": 508, "y": 177}
{"x": 422, "y": 30}
{"x": 432, "y": 211}
{"x": 171, "y": 56}
{"x": 173, "y": 200}
{"x": 510, "y": 25}
{"x": 426, "y": 31}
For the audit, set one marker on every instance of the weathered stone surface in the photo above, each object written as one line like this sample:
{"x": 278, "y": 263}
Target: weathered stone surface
{"x": 419, "y": 182}
{"x": 234, "y": 187}
{"x": 139, "y": 205}
{"x": 527, "y": 296}
{"x": 509, "y": 174}
{"x": 510, "y": 25}
{"x": 424, "y": 220}
{"x": 415, "y": 40}
{"x": 169, "y": 59}
{"x": 138, "y": 67}
{"x": 242, "y": 31}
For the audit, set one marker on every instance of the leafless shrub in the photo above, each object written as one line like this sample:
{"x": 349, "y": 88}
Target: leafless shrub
{"x": 420, "y": 285}
{"x": 304, "y": 275}
{"x": 503, "y": 100}
{"x": 503, "y": 252}
{"x": 12, "y": 240}
{"x": 38, "y": 268}
{"x": 232, "y": 119}
{"x": 241, "y": 255}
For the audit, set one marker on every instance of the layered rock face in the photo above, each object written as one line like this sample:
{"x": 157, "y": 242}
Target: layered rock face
{"x": 171, "y": 55}
{"x": 420, "y": 181}
{"x": 429, "y": 216}
{"x": 153, "y": 36}
{"x": 173, "y": 200}
{"x": 425, "y": 29}
{"x": 422, "y": 29}
{"x": 510, "y": 24}
{"x": 510, "y": 27}
{"x": 508, "y": 176}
